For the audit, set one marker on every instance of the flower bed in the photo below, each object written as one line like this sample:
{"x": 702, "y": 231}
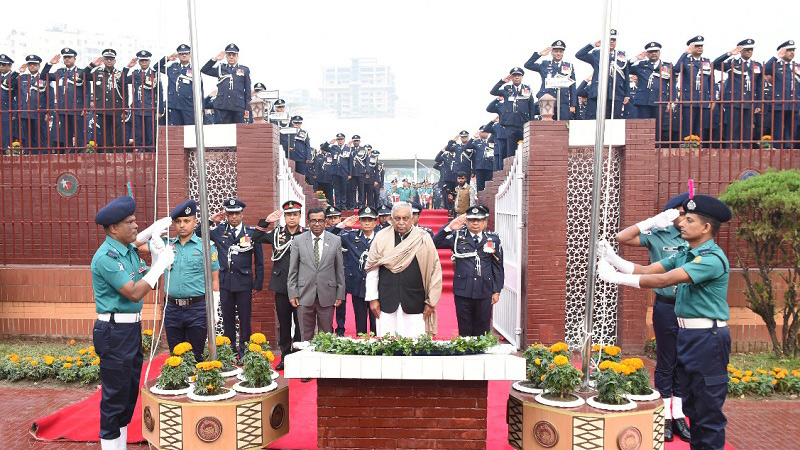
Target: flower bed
{"x": 762, "y": 382}
{"x": 82, "y": 365}
{"x": 402, "y": 346}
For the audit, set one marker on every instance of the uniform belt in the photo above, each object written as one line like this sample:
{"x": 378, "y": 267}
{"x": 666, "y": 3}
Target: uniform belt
{"x": 701, "y": 322}
{"x": 665, "y": 299}
{"x": 120, "y": 317}
{"x": 186, "y": 301}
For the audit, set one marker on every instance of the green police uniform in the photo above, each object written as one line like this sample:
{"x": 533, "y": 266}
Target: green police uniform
{"x": 405, "y": 193}
{"x": 185, "y": 279}
{"x": 661, "y": 243}
{"x": 113, "y": 266}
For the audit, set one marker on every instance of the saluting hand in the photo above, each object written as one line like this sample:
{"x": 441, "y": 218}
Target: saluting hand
{"x": 597, "y": 43}
{"x": 350, "y": 221}
{"x": 507, "y": 78}
{"x": 459, "y": 222}
{"x": 737, "y": 50}
{"x": 132, "y": 62}
{"x": 641, "y": 56}
{"x": 97, "y": 61}
{"x": 217, "y": 218}
{"x": 690, "y": 49}
{"x": 23, "y": 67}
{"x": 55, "y": 59}
{"x": 172, "y": 57}
{"x": 274, "y": 216}
{"x": 546, "y": 51}
{"x": 781, "y": 52}
{"x": 219, "y": 56}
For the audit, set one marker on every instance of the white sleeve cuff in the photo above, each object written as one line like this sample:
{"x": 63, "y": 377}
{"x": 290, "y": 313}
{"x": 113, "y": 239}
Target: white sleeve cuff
{"x": 372, "y": 285}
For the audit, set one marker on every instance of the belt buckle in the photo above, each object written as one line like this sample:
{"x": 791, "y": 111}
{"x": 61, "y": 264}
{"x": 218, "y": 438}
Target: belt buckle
{"x": 182, "y": 301}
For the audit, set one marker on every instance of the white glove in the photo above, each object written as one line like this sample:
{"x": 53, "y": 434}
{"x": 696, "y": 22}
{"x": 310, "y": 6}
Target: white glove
{"x": 607, "y": 251}
{"x": 660, "y": 220}
{"x": 155, "y": 229}
{"x": 608, "y": 274}
{"x": 157, "y": 247}
{"x": 215, "y": 294}
{"x": 165, "y": 259}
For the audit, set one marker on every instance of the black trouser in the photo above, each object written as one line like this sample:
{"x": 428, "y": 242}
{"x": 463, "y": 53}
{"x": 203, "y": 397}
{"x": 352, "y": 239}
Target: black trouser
{"x": 143, "y": 129}
{"x": 234, "y": 302}
{"x": 341, "y": 315}
{"x": 369, "y": 193}
{"x": 229, "y": 116}
{"x": 119, "y": 347}
{"x": 186, "y": 324}
{"x": 474, "y": 315}
{"x": 340, "y": 191}
{"x": 448, "y": 189}
{"x": 181, "y": 116}
{"x": 665, "y": 327}
{"x": 327, "y": 189}
{"x": 110, "y": 128}
{"x": 514, "y": 135}
{"x": 481, "y": 177}
{"x": 72, "y": 127}
{"x": 361, "y": 309}
{"x": 286, "y": 314}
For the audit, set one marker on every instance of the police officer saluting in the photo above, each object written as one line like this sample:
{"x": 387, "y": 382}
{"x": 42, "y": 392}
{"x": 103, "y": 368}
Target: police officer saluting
{"x": 479, "y": 275}
{"x": 107, "y": 97}
{"x": 281, "y": 241}
{"x": 233, "y": 85}
{"x": 700, "y": 270}
{"x": 146, "y": 99}
{"x": 517, "y": 107}
{"x": 742, "y": 86}
{"x": 70, "y": 96}
{"x": 180, "y": 94}
{"x": 556, "y": 68}
{"x": 297, "y": 146}
{"x": 655, "y": 83}
{"x": 119, "y": 282}
{"x": 662, "y": 238}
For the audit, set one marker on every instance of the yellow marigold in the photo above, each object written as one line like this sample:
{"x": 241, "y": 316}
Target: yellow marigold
{"x": 550, "y": 366}
{"x": 258, "y": 338}
{"x": 749, "y": 373}
{"x": 211, "y": 387}
{"x": 68, "y": 359}
{"x": 83, "y": 351}
{"x": 754, "y": 378}
{"x": 777, "y": 369}
{"x": 538, "y": 362}
{"x": 79, "y": 363}
{"x": 766, "y": 137}
{"x": 596, "y": 347}
{"x": 541, "y": 378}
{"x": 746, "y": 379}
{"x": 538, "y": 346}
{"x": 201, "y": 365}
{"x": 216, "y": 365}
{"x": 49, "y": 360}
{"x": 560, "y": 360}
{"x": 269, "y": 355}
{"x": 780, "y": 375}
{"x": 223, "y": 340}
{"x": 774, "y": 382}
{"x": 559, "y": 347}
{"x": 182, "y": 348}
{"x": 605, "y": 365}
{"x": 14, "y": 358}
{"x": 72, "y": 342}
{"x": 796, "y": 373}
{"x": 34, "y": 363}
{"x": 91, "y": 348}
{"x": 612, "y": 350}
{"x": 174, "y": 361}
{"x": 254, "y": 348}
{"x": 148, "y": 332}
{"x": 96, "y": 362}
{"x": 735, "y": 380}
{"x": 77, "y": 358}
{"x": 731, "y": 369}
{"x": 634, "y": 363}
{"x": 67, "y": 365}
{"x": 27, "y": 358}
{"x": 761, "y": 371}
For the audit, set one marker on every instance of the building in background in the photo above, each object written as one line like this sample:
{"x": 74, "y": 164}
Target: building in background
{"x": 364, "y": 89}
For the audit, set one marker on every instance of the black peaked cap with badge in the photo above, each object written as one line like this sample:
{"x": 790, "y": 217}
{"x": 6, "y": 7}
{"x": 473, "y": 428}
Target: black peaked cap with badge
{"x": 368, "y": 211}
{"x": 332, "y": 211}
{"x": 234, "y": 205}
{"x": 708, "y": 206}
{"x": 291, "y": 206}
{"x": 185, "y": 209}
{"x": 477, "y": 212}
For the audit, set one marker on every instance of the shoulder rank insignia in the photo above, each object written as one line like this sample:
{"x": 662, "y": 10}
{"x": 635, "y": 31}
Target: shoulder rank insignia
{"x": 214, "y": 256}
{"x": 113, "y": 253}
{"x": 697, "y": 260}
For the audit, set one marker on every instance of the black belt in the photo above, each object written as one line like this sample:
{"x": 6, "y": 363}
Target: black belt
{"x": 186, "y": 301}
{"x": 665, "y": 299}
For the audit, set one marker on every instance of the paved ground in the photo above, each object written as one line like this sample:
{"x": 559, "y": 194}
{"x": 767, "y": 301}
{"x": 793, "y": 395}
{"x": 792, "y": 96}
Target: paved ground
{"x": 752, "y": 424}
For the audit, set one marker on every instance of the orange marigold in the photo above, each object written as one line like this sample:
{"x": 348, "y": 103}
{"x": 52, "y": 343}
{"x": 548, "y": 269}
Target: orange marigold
{"x": 560, "y": 360}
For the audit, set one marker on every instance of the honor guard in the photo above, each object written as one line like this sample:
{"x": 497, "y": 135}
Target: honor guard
{"x": 483, "y": 158}
{"x": 517, "y": 107}
{"x": 618, "y": 81}
{"x": 323, "y": 173}
{"x": 279, "y": 107}
{"x": 333, "y": 216}
{"x": 384, "y": 214}
{"x": 479, "y": 275}
{"x": 696, "y": 86}
{"x": 358, "y": 171}
{"x": 742, "y": 87}
{"x": 107, "y": 94}
{"x": 499, "y": 132}
{"x": 70, "y": 99}
{"x": 120, "y": 280}
{"x": 379, "y": 181}
{"x": 340, "y": 170}
{"x": 444, "y": 162}
{"x": 241, "y": 272}
{"x": 180, "y": 94}
{"x": 372, "y": 177}
{"x": 233, "y": 85}
{"x": 32, "y": 94}
{"x": 785, "y": 75}
{"x": 298, "y": 146}
{"x": 655, "y": 83}
{"x": 556, "y": 68}
{"x": 8, "y": 102}
{"x": 146, "y": 90}
{"x": 462, "y": 152}
{"x": 280, "y": 238}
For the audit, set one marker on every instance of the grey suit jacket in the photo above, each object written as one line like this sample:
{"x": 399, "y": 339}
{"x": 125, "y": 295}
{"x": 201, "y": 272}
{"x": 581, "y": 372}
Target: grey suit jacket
{"x": 306, "y": 281}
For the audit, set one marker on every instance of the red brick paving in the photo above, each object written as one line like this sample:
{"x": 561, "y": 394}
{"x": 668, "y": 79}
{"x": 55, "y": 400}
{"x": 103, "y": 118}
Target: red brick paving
{"x": 752, "y": 424}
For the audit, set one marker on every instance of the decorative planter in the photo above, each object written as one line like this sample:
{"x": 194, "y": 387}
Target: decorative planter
{"x": 522, "y": 386}
{"x": 574, "y": 402}
{"x": 653, "y": 395}
{"x": 158, "y": 391}
{"x": 227, "y": 393}
{"x": 594, "y": 403}
{"x": 242, "y": 377}
{"x": 249, "y": 390}
{"x": 231, "y": 373}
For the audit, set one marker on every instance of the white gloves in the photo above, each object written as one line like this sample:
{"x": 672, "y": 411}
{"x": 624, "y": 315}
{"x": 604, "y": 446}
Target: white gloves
{"x": 215, "y": 294}
{"x": 165, "y": 259}
{"x": 157, "y": 247}
{"x": 661, "y": 220}
{"x": 605, "y": 250}
{"x": 155, "y": 229}
{"x": 608, "y": 274}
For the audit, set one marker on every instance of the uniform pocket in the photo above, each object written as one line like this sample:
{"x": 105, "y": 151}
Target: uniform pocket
{"x": 715, "y": 380}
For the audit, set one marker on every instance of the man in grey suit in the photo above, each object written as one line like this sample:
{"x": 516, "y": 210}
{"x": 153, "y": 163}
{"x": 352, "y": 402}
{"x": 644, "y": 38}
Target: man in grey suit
{"x": 316, "y": 275}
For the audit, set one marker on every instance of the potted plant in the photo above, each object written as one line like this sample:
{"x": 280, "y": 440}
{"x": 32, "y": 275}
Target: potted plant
{"x": 257, "y": 376}
{"x": 560, "y": 382}
{"x": 225, "y": 355}
{"x": 639, "y": 381}
{"x": 174, "y": 378}
{"x": 208, "y": 386}
{"x": 184, "y": 350}
{"x": 15, "y": 149}
{"x": 691, "y": 141}
{"x": 612, "y": 387}
{"x": 147, "y": 341}
{"x": 766, "y": 141}
{"x": 91, "y": 147}
{"x": 537, "y": 360}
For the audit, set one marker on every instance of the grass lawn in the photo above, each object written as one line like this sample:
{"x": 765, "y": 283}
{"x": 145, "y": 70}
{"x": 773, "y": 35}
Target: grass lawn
{"x": 41, "y": 346}
{"x": 762, "y": 360}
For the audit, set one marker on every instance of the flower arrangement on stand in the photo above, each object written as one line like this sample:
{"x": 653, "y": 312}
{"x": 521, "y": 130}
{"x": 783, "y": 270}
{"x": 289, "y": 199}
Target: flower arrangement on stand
{"x": 560, "y": 382}
{"x": 15, "y": 149}
{"x": 147, "y": 341}
{"x": 225, "y": 355}
{"x": 612, "y": 387}
{"x": 639, "y": 381}
{"x": 257, "y": 376}
{"x": 209, "y": 382}
{"x": 537, "y": 360}
{"x": 174, "y": 378}
{"x": 691, "y": 141}
{"x": 184, "y": 350}
{"x": 766, "y": 141}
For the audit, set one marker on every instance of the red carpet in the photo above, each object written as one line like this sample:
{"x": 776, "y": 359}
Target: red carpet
{"x": 80, "y": 422}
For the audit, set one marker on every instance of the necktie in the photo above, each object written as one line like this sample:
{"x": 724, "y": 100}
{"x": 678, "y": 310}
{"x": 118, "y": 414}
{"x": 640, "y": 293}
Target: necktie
{"x": 316, "y": 251}
{"x": 477, "y": 239}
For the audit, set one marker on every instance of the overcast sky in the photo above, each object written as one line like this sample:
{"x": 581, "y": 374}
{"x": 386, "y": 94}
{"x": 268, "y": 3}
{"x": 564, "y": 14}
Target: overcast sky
{"x": 446, "y": 55}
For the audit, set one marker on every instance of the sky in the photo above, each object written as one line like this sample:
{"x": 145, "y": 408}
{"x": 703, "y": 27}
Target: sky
{"x": 446, "y": 55}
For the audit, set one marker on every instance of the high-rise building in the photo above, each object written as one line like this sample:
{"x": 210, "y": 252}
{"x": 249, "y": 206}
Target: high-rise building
{"x": 364, "y": 89}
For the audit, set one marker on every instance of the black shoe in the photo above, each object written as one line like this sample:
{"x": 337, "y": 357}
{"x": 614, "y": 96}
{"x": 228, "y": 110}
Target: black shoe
{"x": 340, "y": 333}
{"x": 668, "y": 431}
{"x": 279, "y": 367}
{"x": 681, "y": 429}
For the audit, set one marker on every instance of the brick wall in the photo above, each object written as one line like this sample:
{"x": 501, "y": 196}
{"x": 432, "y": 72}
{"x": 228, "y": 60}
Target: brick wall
{"x": 395, "y": 414}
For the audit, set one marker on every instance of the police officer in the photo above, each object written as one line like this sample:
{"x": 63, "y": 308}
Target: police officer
{"x": 696, "y": 86}
{"x": 517, "y": 107}
{"x": 32, "y": 92}
{"x": 324, "y": 167}
{"x": 108, "y": 98}
{"x": 184, "y": 282}
{"x": 258, "y": 104}
{"x": 378, "y": 182}
{"x": 482, "y": 158}
{"x": 499, "y": 132}
{"x": 655, "y": 83}
{"x": 384, "y": 214}
{"x": 298, "y": 146}
{"x": 462, "y": 152}
{"x": 180, "y": 93}
{"x": 556, "y": 68}
{"x": 70, "y": 99}
{"x": 700, "y": 270}
{"x": 146, "y": 91}
{"x": 8, "y": 102}
{"x": 341, "y": 169}
{"x": 372, "y": 177}
{"x": 583, "y": 99}
{"x": 479, "y": 275}
{"x": 119, "y": 282}
{"x": 359, "y": 160}
{"x": 618, "y": 81}
{"x": 355, "y": 246}
{"x": 241, "y": 271}
{"x": 742, "y": 87}
{"x": 785, "y": 75}
{"x": 444, "y": 163}
{"x": 280, "y": 238}
{"x": 416, "y": 213}
{"x": 662, "y": 238}
{"x": 279, "y": 107}
{"x": 333, "y": 217}
{"x": 233, "y": 85}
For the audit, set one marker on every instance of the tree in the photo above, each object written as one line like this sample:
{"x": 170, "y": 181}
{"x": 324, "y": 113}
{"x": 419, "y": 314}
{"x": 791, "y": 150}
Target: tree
{"x": 768, "y": 209}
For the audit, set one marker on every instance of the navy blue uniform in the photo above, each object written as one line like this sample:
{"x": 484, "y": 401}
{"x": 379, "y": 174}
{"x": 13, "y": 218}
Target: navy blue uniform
{"x": 372, "y": 183}
{"x": 447, "y": 177}
{"x": 656, "y": 84}
{"x": 70, "y": 102}
{"x": 233, "y": 89}
{"x": 8, "y": 102}
{"x": 324, "y": 169}
{"x": 299, "y": 149}
{"x": 618, "y": 81}
{"x": 516, "y": 109}
{"x": 741, "y": 92}
{"x": 462, "y": 157}
{"x": 108, "y": 94}
{"x": 482, "y": 161}
{"x": 785, "y": 87}
{"x": 241, "y": 272}
{"x": 696, "y": 87}
{"x": 32, "y": 94}
{"x": 478, "y": 275}
{"x": 555, "y": 69}
{"x": 340, "y": 170}
{"x": 359, "y": 162}
{"x": 146, "y": 92}
{"x": 180, "y": 94}
{"x": 355, "y": 247}
{"x": 500, "y": 135}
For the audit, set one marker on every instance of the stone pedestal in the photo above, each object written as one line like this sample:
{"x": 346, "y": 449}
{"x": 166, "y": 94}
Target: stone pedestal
{"x": 547, "y": 106}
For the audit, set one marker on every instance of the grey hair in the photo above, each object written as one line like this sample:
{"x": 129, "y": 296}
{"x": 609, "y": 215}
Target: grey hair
{"x": 400, "y": 205}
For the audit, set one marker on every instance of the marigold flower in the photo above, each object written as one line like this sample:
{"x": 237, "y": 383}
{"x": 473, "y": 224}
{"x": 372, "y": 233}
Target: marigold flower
{"x": 258, "y": 338}
{"x": 210, "y": 387}
{"x": 254, "y": 348}
{"x": 749, "y": 373}
{"x": 269, "y": 355}
{"x": 612, "y": 350}
{"x": 91, "y": 348}
{"x": 774, "y": 382}
{"x": 780, "y": 375}
{"x": 79, "y": 363}
{"x": 735, "y": 380}
{"x": 596, "y": 347}
{"x": 49, "y": 360}
{"x": 67, "y": 365}
{"x": 754, "y": 378}
{"x": 538, "y": 362}
{"x": 27, "y": 358}
{"x": 538, "y": 346}
{"x": 182, "y": 348}
{"x": 34, "y": 363}
{"x": 68, "y": 359}
{"x": 560, "y": 360}
{"x": 222, "y": 340}
{"x": 550, "y": 366}
{"x": 761, "y": 371}
{"x": 216, "y": 365}
{"x": 148, "y": 332}
{"x": 83, "y": 351}
{"x": 72, "y": 342}
{"x": 541, "y": 378}
{"x": 766, "y": 137}
{"x": 96, "y": 362}
{"x": 605, "y": 365}
{"x": 174, "y": 361}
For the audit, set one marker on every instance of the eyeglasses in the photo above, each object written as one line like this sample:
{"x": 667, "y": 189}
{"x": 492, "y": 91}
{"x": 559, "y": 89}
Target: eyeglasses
{"x": 316, "y": 221}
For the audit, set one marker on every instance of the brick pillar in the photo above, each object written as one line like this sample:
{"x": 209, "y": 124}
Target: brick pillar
{"x": 172, "y": 164}
{"x": 638, "y": 194}
{"x": 545, "y": 238}
{"x": 392, "y": 414}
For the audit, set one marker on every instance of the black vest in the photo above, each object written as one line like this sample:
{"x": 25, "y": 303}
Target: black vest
{"x": 404, "y": 288}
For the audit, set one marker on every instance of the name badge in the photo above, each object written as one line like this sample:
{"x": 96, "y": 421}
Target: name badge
{"x": 329, "y": 159}
{"x": 346, "y": 154}
{"x": 240, "y": 72}
{"x": 488, "y": 247}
